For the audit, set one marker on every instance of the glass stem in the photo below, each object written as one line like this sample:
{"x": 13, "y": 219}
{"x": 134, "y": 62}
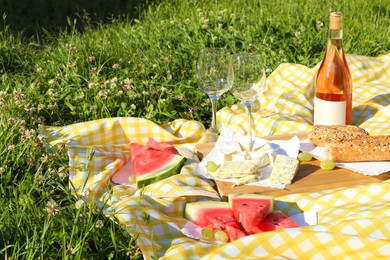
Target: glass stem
{"x": 214, "y": 104}
{"x": 249, "y": 129}
{"x": 249, "y": 123}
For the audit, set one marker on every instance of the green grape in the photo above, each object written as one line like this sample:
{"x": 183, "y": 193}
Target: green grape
{"x": 132, "y": 180}
{"x": 220, "y": 236}
{"x": 211, "y": 166}
{"x": 305, "y": 156}
{"x": 327, "y": 164}
{"x": 207, "y": 233}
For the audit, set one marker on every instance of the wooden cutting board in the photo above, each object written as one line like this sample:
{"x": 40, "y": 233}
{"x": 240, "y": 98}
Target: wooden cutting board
{"x": 310, "y": 177}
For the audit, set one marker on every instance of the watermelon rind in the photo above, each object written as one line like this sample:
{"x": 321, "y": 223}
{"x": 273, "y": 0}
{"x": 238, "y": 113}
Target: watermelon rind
{"x": 167, "y": 170}
{"x": 192, "y": 209}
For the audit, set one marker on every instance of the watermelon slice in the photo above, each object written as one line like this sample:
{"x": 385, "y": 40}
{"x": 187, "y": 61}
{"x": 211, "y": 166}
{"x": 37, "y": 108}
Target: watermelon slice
{"x": 160, "y": 146}
{"x": 137, "y": 149}
{"x": 154, "y": 162}
{"x": 214, "y": 214}
{"x": 250, "y": 209}
{"x": 274, "y": 221}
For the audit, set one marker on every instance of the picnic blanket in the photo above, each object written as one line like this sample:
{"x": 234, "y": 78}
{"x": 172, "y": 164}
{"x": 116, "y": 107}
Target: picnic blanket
{"x": 353, "y": 223}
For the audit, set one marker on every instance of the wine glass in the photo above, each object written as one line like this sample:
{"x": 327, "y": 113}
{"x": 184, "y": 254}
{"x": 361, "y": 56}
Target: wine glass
{"x": 247, "y": 81}
{"x": 211, "y": 74}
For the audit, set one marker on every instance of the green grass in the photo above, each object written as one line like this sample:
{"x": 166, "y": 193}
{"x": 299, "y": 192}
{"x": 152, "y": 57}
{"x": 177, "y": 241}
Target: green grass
{"x": 144, "y": 67}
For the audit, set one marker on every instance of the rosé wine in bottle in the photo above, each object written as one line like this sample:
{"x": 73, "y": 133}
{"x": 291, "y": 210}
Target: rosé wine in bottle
{"x": 333, "y": 85}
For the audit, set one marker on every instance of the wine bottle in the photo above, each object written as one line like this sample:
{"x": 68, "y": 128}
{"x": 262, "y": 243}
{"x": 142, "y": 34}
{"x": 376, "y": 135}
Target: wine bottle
{"x": 333, "y": 84}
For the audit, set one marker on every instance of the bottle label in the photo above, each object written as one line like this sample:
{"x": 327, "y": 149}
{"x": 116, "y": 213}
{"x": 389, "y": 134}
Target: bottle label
{"x": 329, "y": 112}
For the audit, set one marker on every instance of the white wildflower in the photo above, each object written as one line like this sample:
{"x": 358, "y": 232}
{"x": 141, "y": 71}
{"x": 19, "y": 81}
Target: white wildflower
{"x": 99, "y": 223}
{"x": 79, "y": 204}
{"x": 52, "y": 208}
{"x": 52, "y": 82}
{"x": 91, "y": 85}
{"x": 39, "y": 70}
{"x": 169, "y": 76}
{"x": 11, "y": 121}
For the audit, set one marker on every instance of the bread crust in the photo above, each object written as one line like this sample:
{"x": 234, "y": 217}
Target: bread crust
{"x": 322, "y": 135}
{"x": 363, "y": 148}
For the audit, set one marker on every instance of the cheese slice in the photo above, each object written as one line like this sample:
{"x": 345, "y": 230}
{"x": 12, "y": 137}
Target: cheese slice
{"x": 247, "y": 179}
{"x": 244, "y": 155}
{"x": 284, "y": 169}
{"x": 236, "y": 169}
{"x": 264, "y": 158}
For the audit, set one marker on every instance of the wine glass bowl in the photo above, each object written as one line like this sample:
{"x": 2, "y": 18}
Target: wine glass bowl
{"x": 247, "y": 81}
{"x": 211, "y": 74}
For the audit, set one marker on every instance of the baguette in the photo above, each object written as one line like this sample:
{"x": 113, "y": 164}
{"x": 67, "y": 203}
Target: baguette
{"x": 322, "y": 135}
{"x": 363, "y": 148}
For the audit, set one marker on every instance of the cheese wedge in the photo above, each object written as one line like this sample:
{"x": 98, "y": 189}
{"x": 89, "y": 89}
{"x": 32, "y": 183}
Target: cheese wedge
{"x": 236, "y": 169}
{"x": 284, "y": 169}
{"x": 264, "y": 159}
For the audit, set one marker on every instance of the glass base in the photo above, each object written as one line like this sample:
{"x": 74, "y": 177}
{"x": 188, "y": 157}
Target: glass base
{"x": 213, "y": 130}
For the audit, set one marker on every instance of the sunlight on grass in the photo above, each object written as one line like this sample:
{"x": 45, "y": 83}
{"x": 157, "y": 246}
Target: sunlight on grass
{"x": 140, "y": 67}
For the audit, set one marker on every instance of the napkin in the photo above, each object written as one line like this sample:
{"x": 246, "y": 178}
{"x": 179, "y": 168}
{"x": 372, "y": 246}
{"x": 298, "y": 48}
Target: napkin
{"x": 366, "y": 168}
{"x": 237, "y": 146}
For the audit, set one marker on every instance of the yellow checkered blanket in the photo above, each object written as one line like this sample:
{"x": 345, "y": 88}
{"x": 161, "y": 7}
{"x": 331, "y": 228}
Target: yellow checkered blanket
{"x": 353, "y": 223}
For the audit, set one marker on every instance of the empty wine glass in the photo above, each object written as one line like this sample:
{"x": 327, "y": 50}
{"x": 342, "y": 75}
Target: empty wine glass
{"x": 211, "y": 74}
{"x": 247, "y": 81}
